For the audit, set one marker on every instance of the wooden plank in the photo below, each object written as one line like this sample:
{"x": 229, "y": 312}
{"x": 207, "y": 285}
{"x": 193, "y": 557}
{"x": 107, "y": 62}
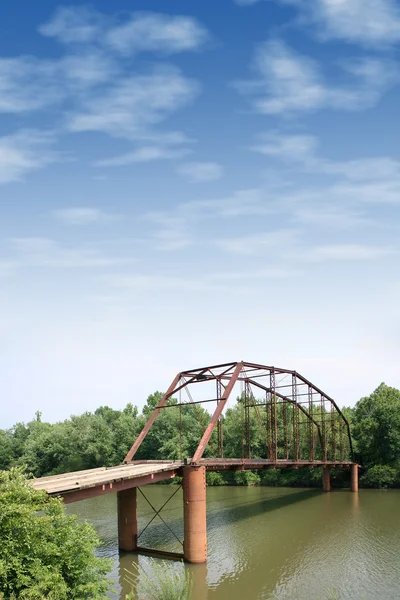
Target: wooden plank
{"x": 83, "y": 480}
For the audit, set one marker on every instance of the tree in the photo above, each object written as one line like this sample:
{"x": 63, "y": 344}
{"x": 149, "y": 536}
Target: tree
{"x": 44, "y": 553}
{"x": 376, "y": 427}
{"x": 6, "y": 454}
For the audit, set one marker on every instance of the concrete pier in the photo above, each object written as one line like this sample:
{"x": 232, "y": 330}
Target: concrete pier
{"x": 326, "y": 481}
{"x": 195, "y": 514}
{"x": 354, "y": 478}
{"x": 127, "y": 520}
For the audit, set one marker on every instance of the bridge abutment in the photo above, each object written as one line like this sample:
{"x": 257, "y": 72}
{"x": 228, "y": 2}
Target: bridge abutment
{"x": 326, "y": 479}
{"x": 195, "y": 514}
{"x": 127, "y": 520}
{"x": 354, "y": 478}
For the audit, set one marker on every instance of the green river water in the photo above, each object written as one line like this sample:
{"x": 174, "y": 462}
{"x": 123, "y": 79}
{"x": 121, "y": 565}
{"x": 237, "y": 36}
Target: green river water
{"x": 272, "y": 543}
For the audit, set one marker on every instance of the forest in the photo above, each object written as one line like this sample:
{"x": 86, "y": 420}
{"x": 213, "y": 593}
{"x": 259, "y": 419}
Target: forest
{"x": 103, "y": 437}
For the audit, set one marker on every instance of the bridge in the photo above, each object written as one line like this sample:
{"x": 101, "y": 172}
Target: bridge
{"x": 300, "y": 425}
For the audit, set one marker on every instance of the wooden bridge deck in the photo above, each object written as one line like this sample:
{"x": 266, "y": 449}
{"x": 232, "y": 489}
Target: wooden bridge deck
{"x": 96, "y": 482}
{"x": 81, "y": 485}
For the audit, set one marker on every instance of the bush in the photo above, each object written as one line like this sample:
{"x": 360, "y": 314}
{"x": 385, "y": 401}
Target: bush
{"x": 247, "y": 478}
{"x": 162, "y": 582}
{"x": 271, "y": 477}
{"x": 380, "y": 476}
{"x": 214, "y": 478}
{"x": 44, "y": 553}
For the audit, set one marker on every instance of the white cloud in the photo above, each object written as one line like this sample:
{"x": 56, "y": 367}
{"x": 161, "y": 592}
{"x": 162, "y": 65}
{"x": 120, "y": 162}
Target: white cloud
{"x": 135, "y": 104}
{"x": 143, "y": 155}
{"x": 268, "y": 244}
{"x": 81, "y": 215}
{"x": 27, "y": 84}
{"x": 87, "y": 70}
{"x": 359, "y": 21}
{"x": 199, "y": 172}
{"x": 288, "y": 247}
{"x": 301, "y": 151}
{"x": 46, "y": 252}
{"x": 75, "y": 24}
{"x": 22, "y": 153}
{"x": 139, "y": 32}
{"x": 152, "y": 32}
{"x": 297, "y": 148}
{"x": 291, "y": 82}
{"x": 347, "y": 252}
{"x": 96, "y": 89}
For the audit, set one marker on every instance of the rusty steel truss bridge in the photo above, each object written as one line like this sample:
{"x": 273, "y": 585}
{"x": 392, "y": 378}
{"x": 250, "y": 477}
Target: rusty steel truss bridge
{"x": 295, "y": 423}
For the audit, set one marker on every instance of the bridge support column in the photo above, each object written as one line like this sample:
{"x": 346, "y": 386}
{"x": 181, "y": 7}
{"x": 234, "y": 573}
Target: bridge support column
{"x": 194, "y": 514}
{"x": 354, "y": 478}
{"x": 127, "y": 520}
{"x": 326, "y": 481}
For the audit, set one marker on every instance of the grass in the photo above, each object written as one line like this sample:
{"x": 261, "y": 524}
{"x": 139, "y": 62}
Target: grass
{"x": 161, "y": 581}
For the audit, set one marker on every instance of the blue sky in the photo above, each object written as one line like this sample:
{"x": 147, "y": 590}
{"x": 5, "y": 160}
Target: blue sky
{"x": 186, "y": 183}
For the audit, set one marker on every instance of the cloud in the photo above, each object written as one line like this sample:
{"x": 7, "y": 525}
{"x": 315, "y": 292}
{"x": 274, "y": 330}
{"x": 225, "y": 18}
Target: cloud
{"x": 268, "y": 244}
{"x": 81, "y": 215}
{"x": 47, "y": 253}
{"x": 289, "y": 247}
{"x": 292, "y": 147}
{"x": 301, "y": 150}
{"x": 86, "y": 70}
{"x": 201, "y": 282}
{"x": 139, "y": 31}
{"x": 290, "y": 82}
{"x": 370, "y": 22}
{"x": 22, "y": 153}
{"x": 96, "y": 89}
{"x": 153, "y": 32}
{"x": 348, "y": 252}
{"x": 74, "y": 24}
{"x": 135, "y": 104}
{"x": 199, "y": 172}
{"x": 143, "y": 155}
{"x": 27, "y": 84}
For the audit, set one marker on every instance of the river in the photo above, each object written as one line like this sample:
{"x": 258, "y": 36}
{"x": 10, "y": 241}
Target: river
{"x": 271, "y": 543}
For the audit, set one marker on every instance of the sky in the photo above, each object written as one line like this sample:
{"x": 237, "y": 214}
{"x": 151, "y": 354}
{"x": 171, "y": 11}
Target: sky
{"x": 189, "y": 182}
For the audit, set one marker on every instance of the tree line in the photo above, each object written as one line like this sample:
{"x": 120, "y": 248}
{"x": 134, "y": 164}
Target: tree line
{"x": 103, "y": 437}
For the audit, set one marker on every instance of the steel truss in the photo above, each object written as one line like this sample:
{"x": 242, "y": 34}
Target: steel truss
{"x": 298, "y": 422}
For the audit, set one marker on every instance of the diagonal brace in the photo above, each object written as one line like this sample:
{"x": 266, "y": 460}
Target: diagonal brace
{"x": 157, "y": 514}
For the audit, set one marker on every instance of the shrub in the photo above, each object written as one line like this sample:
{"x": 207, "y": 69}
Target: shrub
{"x": 44, "y": 553}
{"x": 247, "y": 478}
{"x": 380, "y": 476}
{"x": 162, "y": 582}
{"x": 214, "y": 478}
{"x": 271, "y": 477}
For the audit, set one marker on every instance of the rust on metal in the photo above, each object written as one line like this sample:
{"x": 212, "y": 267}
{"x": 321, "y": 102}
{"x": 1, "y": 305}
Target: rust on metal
{"x": 195, "y": 515}
{"x": 295, "y": 430}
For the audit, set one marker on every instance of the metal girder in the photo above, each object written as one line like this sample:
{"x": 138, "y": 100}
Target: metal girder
{"x": 287, "y": 433}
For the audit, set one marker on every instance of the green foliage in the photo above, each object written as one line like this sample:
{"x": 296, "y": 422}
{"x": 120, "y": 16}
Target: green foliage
{"x": 162, "y": 582}
{"x": 104, "y": 437}
{"x": 215, "y": 478}
{"x": 6, "y": 454}
{"x": 247, "y": 478}
{"x": 377, "y": 426}
{"x": 380, "y": 476}
{"x": 45, "y": 554}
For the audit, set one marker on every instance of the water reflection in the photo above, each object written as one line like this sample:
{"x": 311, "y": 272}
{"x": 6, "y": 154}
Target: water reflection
{"x": 268, "y": 543}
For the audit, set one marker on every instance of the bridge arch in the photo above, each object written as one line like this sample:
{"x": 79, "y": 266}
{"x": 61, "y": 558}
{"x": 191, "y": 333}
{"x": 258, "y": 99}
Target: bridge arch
{"x": 301, "y": 424}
